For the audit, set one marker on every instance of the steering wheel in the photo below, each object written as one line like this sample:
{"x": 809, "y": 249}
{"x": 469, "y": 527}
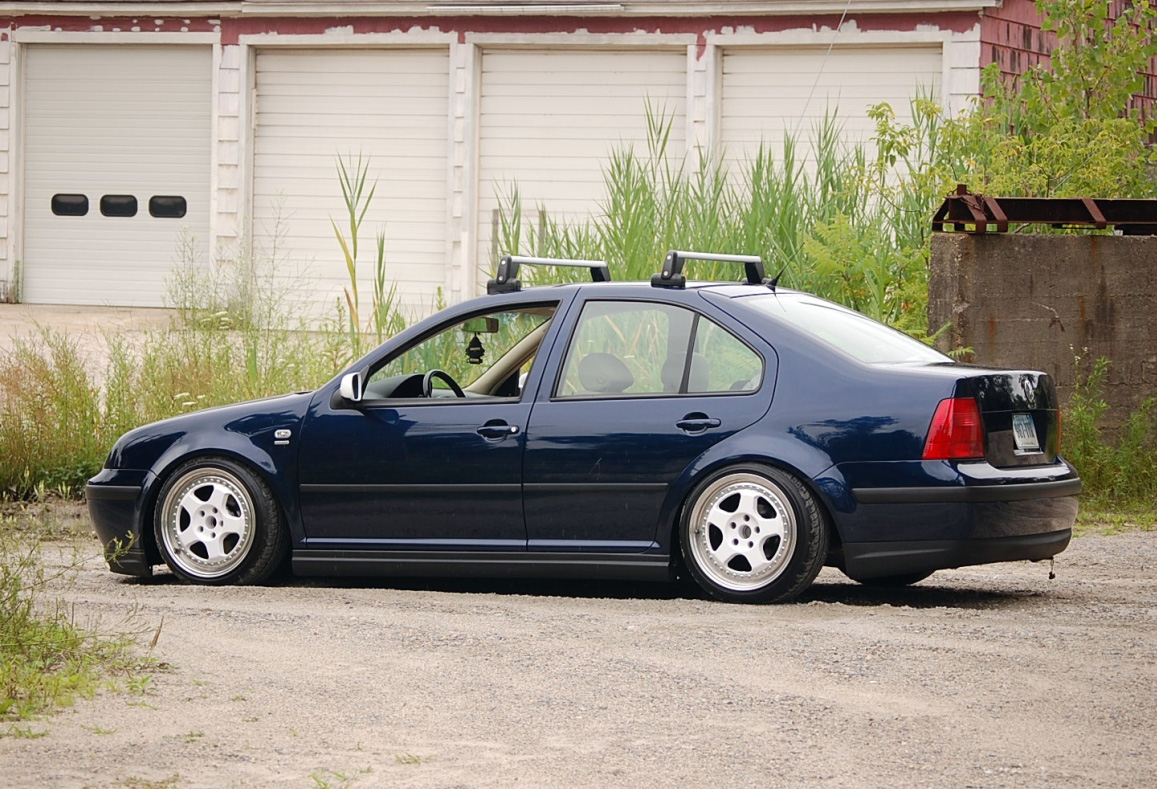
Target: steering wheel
{"x": 428, "y": 383}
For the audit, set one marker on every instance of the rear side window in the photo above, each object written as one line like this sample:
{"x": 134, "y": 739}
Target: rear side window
{"x": 856, "y": 335}
{"x": 643, "y": 348}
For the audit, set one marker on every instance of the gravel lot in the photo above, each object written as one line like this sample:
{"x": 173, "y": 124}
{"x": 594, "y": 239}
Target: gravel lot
{"x": 986, "y": 677}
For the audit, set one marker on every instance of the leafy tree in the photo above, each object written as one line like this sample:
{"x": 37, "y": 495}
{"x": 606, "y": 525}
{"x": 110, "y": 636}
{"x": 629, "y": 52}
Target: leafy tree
{"x": 1065, "y": 130}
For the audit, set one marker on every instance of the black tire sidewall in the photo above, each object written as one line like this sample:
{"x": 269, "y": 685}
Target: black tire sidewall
{"x": 807, "y": 557}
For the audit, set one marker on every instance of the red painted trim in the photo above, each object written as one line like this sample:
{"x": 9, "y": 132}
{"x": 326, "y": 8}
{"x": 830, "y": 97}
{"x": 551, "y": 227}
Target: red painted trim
{"x": 231, "y": 29}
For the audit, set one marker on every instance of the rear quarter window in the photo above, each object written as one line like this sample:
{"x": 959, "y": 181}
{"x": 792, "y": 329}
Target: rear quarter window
{"x": 857, "y": 335}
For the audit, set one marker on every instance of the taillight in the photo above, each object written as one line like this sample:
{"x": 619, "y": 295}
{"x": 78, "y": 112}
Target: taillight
{"x": 956, "y": 432}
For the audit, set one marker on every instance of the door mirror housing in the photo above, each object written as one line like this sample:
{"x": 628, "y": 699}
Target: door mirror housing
{"x": 351, "y": 387}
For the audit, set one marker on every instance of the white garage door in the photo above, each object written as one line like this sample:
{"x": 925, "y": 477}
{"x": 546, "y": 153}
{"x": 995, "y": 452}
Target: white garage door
{"x": 116, "y": 163}
{"x": 390, "y": 106}
{"x": 766, "y": 92}
{"x": 549, "y": 121}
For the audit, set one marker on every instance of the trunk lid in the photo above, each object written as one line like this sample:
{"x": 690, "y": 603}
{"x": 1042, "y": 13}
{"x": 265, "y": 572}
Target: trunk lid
{"x": 1020, "y": 415}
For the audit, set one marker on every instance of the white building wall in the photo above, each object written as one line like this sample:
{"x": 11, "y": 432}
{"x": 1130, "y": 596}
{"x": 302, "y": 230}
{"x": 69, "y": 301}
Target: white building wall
{"x": 229, "y": 169}
{"x": 7, "y": 272}
{"x": 233, "y": 85}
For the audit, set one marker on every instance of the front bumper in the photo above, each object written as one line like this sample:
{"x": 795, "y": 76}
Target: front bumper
{"x": 115, "y": 502}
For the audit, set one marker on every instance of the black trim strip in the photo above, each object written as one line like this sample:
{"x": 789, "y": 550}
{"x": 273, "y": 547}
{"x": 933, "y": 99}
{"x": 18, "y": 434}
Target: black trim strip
{"x": 1018, "y": 491}
{"x": 412, "y": 490}
{"x": 112, "y": 492}
{"x": 596, "y": 487}
{"x": 505, "y": 487}
{"x": 477, "y": 564}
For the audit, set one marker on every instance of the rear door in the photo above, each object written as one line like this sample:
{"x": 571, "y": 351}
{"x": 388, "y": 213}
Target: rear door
{"x": 642, "y": 388}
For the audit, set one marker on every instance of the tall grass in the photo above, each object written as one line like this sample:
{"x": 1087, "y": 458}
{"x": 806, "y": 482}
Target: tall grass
{"x": 237, "y": 334}
{"x": 845, "y": 222}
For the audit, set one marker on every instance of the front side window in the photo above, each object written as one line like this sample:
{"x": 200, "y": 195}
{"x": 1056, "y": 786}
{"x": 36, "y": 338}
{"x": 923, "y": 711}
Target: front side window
{"x": 635, "y": 348}
{"x": 483, "y": 356}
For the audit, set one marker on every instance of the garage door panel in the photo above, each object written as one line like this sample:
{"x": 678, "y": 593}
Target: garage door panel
{"x": 112, "y": 119}
{"x": 550, "y": 120}
{"x": 392, "y": 108}
{"x": 765, "y": 92}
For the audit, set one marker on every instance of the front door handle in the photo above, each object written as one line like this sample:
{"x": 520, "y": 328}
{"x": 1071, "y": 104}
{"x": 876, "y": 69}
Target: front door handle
{"x": 501, "y": 430}
{"x": 697, "y": 423}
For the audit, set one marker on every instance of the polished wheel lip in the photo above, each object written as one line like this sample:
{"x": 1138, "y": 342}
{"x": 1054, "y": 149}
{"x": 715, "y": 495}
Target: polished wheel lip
{"x": 225, "y": 487}
{"x": 712, "y": 562}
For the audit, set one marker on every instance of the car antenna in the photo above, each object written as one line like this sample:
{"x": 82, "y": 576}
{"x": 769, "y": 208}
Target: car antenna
{"x": 771, "y": 283}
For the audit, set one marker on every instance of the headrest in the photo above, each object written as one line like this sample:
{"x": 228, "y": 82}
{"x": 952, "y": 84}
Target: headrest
{"x": 672, "y": 373}
{"x": 604, "y": 374}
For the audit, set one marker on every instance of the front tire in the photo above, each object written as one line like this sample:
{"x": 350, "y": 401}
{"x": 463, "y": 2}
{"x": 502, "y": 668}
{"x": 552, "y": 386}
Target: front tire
{"x": 753, "y": 534}
{"x": 217, "y": 523}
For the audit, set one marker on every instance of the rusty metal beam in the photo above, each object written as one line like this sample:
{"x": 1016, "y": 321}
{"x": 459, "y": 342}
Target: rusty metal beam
{"x": 972, "y": 213}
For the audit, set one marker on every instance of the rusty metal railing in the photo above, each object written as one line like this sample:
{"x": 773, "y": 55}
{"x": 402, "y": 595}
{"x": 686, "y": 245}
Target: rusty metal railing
{"x": 972, "y": 213}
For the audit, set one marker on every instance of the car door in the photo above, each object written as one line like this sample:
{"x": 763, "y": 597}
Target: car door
{"x": 412, "y": 469}
{"x": 642, "y": 388}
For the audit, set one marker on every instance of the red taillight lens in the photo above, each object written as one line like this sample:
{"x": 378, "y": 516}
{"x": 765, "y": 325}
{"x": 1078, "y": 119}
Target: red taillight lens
{"x": 956, "y": 432}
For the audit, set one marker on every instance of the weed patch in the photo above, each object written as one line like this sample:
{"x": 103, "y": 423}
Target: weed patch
{"x": 1118, "y": 469}
{"x": 46, "y": 658}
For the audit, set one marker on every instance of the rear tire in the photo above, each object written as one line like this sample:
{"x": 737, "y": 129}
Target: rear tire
{"x": 753, "y": 534}
{"x": 217, "y": 523}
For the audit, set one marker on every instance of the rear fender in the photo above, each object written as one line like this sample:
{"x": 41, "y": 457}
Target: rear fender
{"x": 808, "y": 463}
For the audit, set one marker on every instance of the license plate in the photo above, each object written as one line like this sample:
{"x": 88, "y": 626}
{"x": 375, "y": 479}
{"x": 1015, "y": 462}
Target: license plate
{"x": 1024, "y": 433}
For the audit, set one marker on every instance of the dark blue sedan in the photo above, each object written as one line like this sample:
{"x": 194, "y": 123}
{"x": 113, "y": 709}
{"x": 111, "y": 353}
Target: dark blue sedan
{"x": 742, "y": 434}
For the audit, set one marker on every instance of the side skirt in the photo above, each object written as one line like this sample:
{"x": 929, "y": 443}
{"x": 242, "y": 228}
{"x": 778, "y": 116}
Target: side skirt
{"x": 478, "y": 564}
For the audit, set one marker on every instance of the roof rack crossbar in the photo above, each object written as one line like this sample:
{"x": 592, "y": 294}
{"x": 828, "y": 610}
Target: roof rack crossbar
{"x": 672, "y": 274}
{"x": 506, "y": 278}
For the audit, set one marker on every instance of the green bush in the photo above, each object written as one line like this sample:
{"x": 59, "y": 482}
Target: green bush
{"x": 1118, "y": 468}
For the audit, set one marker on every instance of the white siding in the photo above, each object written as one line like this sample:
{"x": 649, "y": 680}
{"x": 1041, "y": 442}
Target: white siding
{"x": 392, "y": 107}
{"x": 549, "y": 121}
{"x": 766, "y": 92}
{"x": 112, "y": 120}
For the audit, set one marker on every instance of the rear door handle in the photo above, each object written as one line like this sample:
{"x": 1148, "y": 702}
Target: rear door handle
{"x": 697, "y": 424}
{"x": 497, "y": 431}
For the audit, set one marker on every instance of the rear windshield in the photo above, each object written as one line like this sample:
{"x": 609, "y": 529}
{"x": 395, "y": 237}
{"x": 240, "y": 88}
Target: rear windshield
{"x": 856, "y": 335}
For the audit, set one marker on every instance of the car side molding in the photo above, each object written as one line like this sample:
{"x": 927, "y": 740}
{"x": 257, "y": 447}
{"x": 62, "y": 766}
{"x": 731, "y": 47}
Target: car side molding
{"x": 974, "y": 494}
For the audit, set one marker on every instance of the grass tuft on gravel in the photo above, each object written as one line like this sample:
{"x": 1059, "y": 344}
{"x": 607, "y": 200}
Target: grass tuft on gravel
{"x": 46, "y": 658}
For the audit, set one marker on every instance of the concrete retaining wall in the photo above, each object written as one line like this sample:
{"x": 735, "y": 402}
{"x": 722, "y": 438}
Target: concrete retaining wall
{"x": 1041, "y": 301}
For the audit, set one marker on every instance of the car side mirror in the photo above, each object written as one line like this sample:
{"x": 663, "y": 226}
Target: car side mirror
{"x": 351, "y": 387}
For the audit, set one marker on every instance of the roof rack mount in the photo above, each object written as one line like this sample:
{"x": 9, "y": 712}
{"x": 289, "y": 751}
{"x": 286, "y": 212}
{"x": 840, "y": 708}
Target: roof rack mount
{"x": 506, "y": 278}
{"x": 672, "y": 274}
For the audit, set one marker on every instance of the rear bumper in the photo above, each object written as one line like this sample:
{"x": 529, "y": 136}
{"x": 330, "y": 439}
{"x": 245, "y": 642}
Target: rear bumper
{"x": 114, "y": 504}
{"x": 881, "y": 559}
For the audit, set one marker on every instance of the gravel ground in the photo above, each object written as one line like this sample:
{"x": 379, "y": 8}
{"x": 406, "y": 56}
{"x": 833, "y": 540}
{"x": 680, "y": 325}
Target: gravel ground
{"x": 987, "y": 677}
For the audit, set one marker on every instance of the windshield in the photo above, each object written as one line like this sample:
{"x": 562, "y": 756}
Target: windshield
{"x": 856, "y": 335}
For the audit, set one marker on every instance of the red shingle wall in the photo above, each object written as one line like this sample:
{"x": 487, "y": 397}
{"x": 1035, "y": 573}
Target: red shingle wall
{"x": 1011, "y": 36}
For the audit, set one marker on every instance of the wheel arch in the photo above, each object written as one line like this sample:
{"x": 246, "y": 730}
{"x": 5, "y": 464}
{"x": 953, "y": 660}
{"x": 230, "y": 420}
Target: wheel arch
{"x": 172, "y": 460}
{"x": 812, "y": 468}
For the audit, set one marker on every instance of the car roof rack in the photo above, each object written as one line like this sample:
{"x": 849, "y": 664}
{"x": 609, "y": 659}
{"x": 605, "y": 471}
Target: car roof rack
{"x": 506, "y": 278}
{"x": 672, "y": 274}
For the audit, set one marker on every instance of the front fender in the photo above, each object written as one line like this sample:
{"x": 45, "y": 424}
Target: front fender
{"x": 275, "y": 465}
